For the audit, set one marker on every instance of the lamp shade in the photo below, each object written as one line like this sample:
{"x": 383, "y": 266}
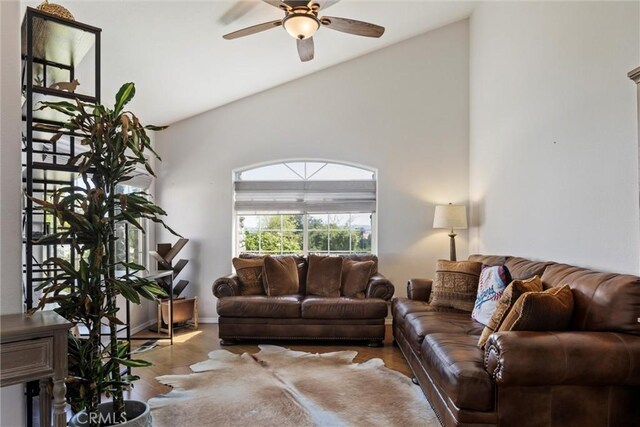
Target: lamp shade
{"x": 450, "y": 216}
{"x": 300, "y": 25}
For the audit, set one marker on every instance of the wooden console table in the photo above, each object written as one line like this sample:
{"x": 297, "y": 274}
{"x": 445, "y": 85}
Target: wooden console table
{"x": 36, "y": 348}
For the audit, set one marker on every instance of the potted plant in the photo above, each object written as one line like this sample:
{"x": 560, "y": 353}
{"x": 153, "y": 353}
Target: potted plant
{"x": 85, "y": 292}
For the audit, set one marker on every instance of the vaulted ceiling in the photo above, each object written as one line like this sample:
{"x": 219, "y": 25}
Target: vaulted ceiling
{"x": 174, "y": 51}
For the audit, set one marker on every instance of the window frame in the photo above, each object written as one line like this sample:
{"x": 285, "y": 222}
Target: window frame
{"x": 236, "y": 176}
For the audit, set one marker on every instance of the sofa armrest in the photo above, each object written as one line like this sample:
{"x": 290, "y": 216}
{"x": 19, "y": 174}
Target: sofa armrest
{"x": 419, "y": 289}
{"x": 570, "y": 357}
{"x": 380, "y": 287}
{"x": 228, "y": 286}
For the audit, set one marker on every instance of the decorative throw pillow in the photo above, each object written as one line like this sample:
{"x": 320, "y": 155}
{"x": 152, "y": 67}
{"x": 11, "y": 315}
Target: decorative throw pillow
{"x": 455, "y": 284}
{"x": 249, "y": 273}
{"x": 324, "y": 276}
{"x": 280, "y": 276}
{"x": 493, "y": 281}
{"x": 506, "y": 301}
{"x": 355, "y": 277}
{"x": 550, "y": 310}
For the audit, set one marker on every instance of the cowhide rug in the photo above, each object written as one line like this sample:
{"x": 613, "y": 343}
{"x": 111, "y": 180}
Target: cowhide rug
{"x": 281, "y": 387}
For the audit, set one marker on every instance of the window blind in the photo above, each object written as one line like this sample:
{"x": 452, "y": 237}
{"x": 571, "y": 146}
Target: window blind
{"x": 305, "y": 196}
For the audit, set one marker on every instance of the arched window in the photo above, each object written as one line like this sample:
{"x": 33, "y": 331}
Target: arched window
{"x": 302, "y": 207}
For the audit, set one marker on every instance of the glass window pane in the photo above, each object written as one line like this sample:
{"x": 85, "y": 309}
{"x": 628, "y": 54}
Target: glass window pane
{"x": 339, "y": 241}
{"x": 317, "y": 222}
{"x": 249, "y": 221}
{"x": 250, "y": 241}
{"x": 270, "y": 241}
{"x": 269, "y": 173}
{"x": 292, "y": 222}
{"x": 339, "y": 221}
{"x": 318, "y": 241}
{"x": 292, "y": 242}
{"x": 337, "y": 172}
{"x": 360, "y": 240}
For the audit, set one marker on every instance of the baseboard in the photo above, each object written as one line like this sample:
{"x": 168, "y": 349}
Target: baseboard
{"x": 143, "y": 327}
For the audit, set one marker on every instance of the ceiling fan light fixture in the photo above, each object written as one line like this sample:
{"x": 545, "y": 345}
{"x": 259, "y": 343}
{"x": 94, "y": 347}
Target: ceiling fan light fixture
{"x": 301, "y": 25}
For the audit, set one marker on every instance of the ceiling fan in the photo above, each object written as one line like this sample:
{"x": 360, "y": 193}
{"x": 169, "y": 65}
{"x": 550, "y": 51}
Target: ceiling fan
{"x": 301, "y": 21}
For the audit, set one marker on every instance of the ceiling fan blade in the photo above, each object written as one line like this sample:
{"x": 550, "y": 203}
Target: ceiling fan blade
{"x": 305, "y": 49}
{"x": 323, "y": 4}
{"x": 352, "y": 26}
{"x": 237, "y": 11}
{"x": 253, "y": 29}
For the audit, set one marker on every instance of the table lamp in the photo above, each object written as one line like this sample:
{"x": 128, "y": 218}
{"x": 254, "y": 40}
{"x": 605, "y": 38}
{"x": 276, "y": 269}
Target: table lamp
{"x": 451, "y": 216}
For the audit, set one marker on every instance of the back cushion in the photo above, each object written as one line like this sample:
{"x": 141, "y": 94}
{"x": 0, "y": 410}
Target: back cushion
{"x": 301, "y": 263}
{"x": 489, "y": 260}
{"x": 364, "y": 257}
{"x": 523, "y": 269}
{"x": 601, "y": 301}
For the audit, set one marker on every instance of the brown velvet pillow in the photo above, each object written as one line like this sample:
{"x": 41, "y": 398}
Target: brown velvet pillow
{"x": 355, "y": 277}
{"x": 550, "y": 310}
{"x": 324, "y": 276}
{"x": 280, "y": 276}
{"x": 455, "y": 284}
{"x": 506, "y": 302}
{"x": 249, "y": 273}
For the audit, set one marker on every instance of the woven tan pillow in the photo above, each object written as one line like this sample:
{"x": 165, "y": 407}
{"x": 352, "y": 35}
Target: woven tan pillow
{"x": 249, "y": 273}
{"x": 506, "y": 302}
{"x": 550, "y": 310}
{"x": 280, "y": 276}
{"x": 355, "y": 277}
{"x": 455, "y": 284}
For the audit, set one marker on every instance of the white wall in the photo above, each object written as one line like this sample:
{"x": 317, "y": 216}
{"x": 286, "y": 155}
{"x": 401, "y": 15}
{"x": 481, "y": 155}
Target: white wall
{"x": 553, "y": 143}
{"x": 11, "y": 398}
{"x": 402, "y": 110}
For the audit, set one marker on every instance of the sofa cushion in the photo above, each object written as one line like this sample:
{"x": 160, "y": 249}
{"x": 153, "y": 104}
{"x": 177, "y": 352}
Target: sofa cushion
{"x": 455, "y": 284}
{"x": 355, "y": 277}
{"x": 541, "y": 311}
{"x": 493, "y": 281}
{"x": 506, "y": 302}
{"x": 417, "y": 325}
{"x": 343, "y": 308}
{"x": 324, "y": 276}
{"x": 400, "y": 307}
{"x": 456, "y": 365}
{"x": 280, "y": 276}
{"x": 249, "y": 273}
{"x": 601, "y": 301}
{"x": 260, "y": 306}
{"x": 522, "y": 268}
{"x": 301, "y": 263}
{"x": 489, "y": 259}
{"x": 364, "y": 257}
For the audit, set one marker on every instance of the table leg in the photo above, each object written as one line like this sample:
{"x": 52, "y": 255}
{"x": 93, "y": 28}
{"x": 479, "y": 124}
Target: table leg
{"x": 45, "y": 403}
{"x": 59, "y": 402}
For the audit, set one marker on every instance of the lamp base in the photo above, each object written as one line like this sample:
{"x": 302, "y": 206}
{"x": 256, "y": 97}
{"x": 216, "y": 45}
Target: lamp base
{"x": 452, "y": 246}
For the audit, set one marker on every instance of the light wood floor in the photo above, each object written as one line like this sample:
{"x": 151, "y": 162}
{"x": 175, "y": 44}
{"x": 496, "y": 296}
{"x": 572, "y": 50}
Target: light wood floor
{"x": 191, "y": 346}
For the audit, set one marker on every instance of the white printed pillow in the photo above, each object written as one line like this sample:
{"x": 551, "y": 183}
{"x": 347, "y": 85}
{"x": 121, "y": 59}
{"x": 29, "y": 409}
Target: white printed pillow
{"x": 493, "y": 281}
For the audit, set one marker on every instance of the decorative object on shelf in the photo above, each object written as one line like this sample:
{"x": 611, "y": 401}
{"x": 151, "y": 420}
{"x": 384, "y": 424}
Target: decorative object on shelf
{"x": 66, "y": 86}
{"x": 185, "y": 310}
{"x": 451, "y": 217}
{"x": 55, "y": 9}
{"x": 301, "y": 22}
{"x": 86, "y": 291}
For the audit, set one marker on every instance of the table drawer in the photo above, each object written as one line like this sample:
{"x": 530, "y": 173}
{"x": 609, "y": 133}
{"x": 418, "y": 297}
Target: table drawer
{"x": 26, "y": 360}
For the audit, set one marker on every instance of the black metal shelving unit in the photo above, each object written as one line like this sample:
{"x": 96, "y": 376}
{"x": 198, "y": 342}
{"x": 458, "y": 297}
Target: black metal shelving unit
{"x": 53, "y": 48}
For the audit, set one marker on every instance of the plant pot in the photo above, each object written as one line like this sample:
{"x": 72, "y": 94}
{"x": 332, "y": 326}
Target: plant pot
{"x": 139, "y": 415}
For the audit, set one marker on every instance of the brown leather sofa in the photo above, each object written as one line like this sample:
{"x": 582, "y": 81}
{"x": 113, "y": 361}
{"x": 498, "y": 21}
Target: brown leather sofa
{"x": 588, "y": 375}
{"x": 301, "y": 316}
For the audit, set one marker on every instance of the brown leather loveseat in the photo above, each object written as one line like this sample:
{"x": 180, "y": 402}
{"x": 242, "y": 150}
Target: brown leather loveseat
{"x": 588, "y": 375}
{"x": 303, "y": 316}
